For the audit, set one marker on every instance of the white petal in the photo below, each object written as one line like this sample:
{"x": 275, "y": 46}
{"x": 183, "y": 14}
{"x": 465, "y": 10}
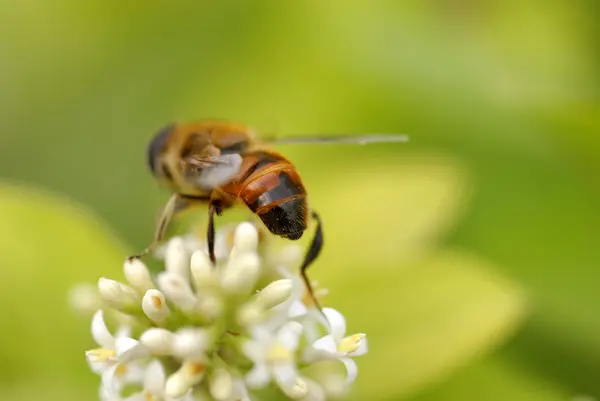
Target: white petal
{"x": 154, "y": 380}
{"x": 325, "y": 348}
{"x": 259, "y": 376}
{"x": 289, "y": 335}
{"x": 262, "y": 335}
{"x": 335, "y": 385}
{"x": 97, "y": 363}
{"x": 311, "y": 331}
{"x": 297, "y": 309}
{"x": 315, "y": 391}
{"x": 129, "y": 349}
{"x": 110, "y": 383}
{"x": 177, "y": 260}
{"x": 100, "y": 332}
{"x": 254, "y": 350}
{"x": 298, "y": 391}
{"x": 337, "y": 323}
{"x": 285, "y": 375}
{"x": 123, "y": 331}
{"x": 108, "y": 393}
{"x": 351, "y": 370}
{"x": 326, "y": 344}
{"x": 134, "y": 373}
{"x": 221, "y": 385}
{"x": 240, "y": 392}
{"x": 136, "y": 397}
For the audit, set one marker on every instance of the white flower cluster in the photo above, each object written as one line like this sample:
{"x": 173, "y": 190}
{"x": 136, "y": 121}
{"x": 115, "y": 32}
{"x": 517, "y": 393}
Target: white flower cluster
{"x": 203, "y": 332}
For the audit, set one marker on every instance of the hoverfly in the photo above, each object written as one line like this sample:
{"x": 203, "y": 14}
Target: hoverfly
{"x": 221, "y": 164}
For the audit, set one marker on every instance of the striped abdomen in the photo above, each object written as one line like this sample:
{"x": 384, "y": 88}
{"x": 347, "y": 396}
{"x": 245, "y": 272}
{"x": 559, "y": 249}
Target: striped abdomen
{"x": 271, "y": 188}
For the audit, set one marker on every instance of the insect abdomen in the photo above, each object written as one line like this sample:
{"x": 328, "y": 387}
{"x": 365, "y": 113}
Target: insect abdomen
{"x": 275, "y": 193}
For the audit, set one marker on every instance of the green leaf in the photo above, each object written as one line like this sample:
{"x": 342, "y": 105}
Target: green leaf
{"x": 399, "y": 208}
{"x": 63, "y": 388}
{"x": 47, "y": 244}
{"x": 425, "y": 321}
{"x": 497, "y": 379}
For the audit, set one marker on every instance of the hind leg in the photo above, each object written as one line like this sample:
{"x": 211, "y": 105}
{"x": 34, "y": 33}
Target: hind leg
{"x": 313, "y": 251}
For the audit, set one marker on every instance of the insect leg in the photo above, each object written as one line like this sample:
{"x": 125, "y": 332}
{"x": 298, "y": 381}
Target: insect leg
{"x": 313, "y": 251}
{"x": 174, "y": 203}
{"x": 214, "y": 207}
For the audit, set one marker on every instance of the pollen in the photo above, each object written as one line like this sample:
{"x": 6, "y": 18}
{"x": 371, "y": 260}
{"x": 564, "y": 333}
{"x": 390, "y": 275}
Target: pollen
{"x": 157, "y": 302}
{"x": 121, "y": 370}
{"x": 278, "y": 353}
{"x": 229, "y": 239}
{"x": 318, "y": 293}
{"x": 351, "y": 343}
{"x": 149, "y": 397}
{"x": 195, "y": 369}
{"x": 101, "y": 354}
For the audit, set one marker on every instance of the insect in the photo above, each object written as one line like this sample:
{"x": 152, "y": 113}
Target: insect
{"x": 221, "y": 164}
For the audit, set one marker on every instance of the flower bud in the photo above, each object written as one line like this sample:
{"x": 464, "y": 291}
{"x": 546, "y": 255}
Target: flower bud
{"x": 275, "y": 293}
{"x": 177, "y": 258}
{"x": 118, "y": 295}
{"x": 155, "y": 306}
{"x": 159, "y": 341}
{"x": 250, "y": 314}
{"x": 177, "y": 290}
{"x": 210, "y": 307}
{"x": 138, "y": 275}
{"x": 84, "y": 298}
{"x": 245, "y": 239}
{"x": 188, "y": 375}
{"x": 240, "y": 273}
{"x": 298, "y": 390}
{"x": 190, "y": 344}
{"x": 203, "y": 272}
{"x": 220, "y": 384}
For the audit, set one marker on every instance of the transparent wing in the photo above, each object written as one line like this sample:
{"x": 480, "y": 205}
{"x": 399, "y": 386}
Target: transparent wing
{"x": 338, "y": 139}
{"x": 218, "y": 170}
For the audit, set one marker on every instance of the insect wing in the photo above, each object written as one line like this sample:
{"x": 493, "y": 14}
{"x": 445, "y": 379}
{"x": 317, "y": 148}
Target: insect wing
{"x": 338, "y": 139}
{"x": 223, "y": 169}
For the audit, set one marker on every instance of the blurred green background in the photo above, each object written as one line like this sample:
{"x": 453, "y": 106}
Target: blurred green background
{"x": 470, "y": 256}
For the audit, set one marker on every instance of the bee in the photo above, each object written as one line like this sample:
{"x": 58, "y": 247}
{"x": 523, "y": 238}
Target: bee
{"x": 221, "y": 164}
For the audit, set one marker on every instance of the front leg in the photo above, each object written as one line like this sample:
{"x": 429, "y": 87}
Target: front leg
{"x": 176, "y": 203}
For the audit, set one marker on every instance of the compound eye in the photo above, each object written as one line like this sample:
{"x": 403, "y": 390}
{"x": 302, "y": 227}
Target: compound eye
{"x": 157, "y": 145}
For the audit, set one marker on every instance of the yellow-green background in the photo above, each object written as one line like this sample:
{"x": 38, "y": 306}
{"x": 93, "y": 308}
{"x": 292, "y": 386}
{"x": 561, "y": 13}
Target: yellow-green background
{"x": 470, "y": 256}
